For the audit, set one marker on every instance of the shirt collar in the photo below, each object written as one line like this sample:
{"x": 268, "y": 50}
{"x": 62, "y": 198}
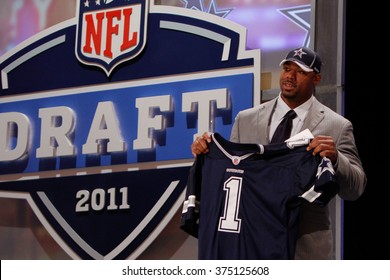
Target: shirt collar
{"x": 301, "y": 111}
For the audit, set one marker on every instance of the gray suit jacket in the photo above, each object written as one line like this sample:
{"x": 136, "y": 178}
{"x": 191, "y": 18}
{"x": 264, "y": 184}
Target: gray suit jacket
{"x": 315, "y": 240}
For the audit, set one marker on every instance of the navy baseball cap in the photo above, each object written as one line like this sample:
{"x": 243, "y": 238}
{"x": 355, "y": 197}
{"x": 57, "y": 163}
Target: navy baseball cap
{"x": 305, "y": 58}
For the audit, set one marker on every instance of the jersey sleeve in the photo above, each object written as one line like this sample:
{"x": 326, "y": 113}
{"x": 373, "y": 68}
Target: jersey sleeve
{"x": 190, "y": 211}
{"x": 324, "y": 187}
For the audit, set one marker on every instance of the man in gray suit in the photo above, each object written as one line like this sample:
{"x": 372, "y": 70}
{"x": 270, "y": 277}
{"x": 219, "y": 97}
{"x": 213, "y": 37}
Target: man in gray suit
{"x": 334, "y": 139}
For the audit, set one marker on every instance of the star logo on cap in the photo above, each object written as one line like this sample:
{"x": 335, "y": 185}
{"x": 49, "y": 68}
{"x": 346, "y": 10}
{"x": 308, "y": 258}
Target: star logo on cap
{"x": 299, "y": 53}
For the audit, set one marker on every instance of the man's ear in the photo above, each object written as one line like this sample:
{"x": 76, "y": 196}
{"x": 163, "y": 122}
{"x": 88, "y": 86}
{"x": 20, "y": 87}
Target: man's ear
{"x": 317, "y": 78}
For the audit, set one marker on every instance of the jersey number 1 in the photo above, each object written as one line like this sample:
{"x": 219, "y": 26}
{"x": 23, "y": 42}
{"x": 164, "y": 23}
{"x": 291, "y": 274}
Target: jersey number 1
{"x": 230, "y": 221}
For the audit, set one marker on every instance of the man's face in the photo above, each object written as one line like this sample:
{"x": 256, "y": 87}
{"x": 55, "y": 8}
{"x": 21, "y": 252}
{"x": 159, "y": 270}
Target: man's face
{"x": 296, "y": 84}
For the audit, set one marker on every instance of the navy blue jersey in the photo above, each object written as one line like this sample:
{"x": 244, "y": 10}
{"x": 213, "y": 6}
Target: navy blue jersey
{"x": 242, "y": 200}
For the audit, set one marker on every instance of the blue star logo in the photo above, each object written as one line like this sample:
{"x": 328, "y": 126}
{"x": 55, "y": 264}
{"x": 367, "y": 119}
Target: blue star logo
{"x": 300, "y": 15}
{"x": 212, "y": 8}
{"x": 194, "y": 4}
{"x": 325, "y": 165}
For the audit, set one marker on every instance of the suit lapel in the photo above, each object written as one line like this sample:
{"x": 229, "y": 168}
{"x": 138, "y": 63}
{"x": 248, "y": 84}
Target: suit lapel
{"x": 265, "y": 110}
{"x": 265, "y": 113}
{"x": 314, "y": 116}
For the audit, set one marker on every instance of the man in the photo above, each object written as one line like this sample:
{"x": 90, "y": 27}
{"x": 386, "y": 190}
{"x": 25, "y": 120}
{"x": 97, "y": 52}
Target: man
{"x": 334, "y": 139}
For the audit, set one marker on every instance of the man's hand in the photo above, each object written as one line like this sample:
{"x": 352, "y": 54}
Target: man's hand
{"x": 200, "y": 145}
{"x": 325, "y": 147}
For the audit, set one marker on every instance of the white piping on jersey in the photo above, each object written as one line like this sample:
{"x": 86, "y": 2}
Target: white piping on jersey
{"x": 235, "y": 159}
{"x": 311, "y": 195}
{"x": 190, "y": 202}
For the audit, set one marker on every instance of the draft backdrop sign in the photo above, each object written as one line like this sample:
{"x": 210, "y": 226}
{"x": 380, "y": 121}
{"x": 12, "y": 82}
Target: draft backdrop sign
{"x": 97, "y": 115}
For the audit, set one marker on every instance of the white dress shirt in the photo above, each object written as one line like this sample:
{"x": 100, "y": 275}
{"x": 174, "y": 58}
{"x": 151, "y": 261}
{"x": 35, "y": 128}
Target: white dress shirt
{"x": 282, "y": 108}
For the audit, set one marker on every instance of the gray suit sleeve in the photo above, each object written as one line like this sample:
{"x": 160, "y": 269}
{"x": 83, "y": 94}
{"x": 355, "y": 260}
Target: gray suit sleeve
{"x": 349, "y": 169}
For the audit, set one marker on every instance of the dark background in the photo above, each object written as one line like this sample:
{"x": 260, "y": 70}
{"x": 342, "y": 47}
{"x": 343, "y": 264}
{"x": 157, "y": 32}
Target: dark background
{"x": 366, "y": 220}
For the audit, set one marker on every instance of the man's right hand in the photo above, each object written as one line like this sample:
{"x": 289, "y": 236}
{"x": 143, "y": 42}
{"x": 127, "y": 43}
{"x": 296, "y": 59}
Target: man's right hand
{"x": 200, "y": 145}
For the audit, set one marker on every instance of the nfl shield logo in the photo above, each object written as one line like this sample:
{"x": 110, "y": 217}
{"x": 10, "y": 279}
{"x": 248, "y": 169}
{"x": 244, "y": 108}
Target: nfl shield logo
{"x": 110, "y": 32}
